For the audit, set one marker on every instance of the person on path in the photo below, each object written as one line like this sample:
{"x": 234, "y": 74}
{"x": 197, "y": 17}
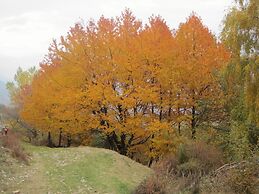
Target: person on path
{"x": 5, "y": 130}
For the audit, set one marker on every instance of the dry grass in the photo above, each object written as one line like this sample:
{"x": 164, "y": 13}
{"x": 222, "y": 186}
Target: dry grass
{"x": 236, "y": 177}
{"x": 12, "y": 143}
{"x": 181, "y": 172}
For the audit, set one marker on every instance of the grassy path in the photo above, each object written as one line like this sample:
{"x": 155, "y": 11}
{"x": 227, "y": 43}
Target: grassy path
{"x": 36, "y": 181}
{"x": 75, "y": 170}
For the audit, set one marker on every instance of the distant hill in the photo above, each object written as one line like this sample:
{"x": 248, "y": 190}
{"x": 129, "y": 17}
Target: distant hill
{"x": 4, "y": 97}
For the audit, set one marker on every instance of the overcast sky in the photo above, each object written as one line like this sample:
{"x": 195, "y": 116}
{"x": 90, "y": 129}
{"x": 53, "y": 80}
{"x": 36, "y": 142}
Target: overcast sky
{"x": 27, "y": 27}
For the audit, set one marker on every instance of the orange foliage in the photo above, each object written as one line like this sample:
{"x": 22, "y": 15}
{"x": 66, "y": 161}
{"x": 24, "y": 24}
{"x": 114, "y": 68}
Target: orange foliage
{"x": 130, "y": 82}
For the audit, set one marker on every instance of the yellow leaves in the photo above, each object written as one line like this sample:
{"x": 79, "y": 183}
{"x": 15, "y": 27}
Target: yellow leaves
{"x": 156, "y": 126}
{"x": 129, "y": 102}
{"x": 147, "y": 94}
{"x": 95, "y": 93}
{"x": 164, "y": 142}
{"x": 119, "y": 77}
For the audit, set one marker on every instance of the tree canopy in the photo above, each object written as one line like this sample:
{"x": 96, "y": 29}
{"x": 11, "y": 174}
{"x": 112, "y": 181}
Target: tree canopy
{"x": 134, "y": 83}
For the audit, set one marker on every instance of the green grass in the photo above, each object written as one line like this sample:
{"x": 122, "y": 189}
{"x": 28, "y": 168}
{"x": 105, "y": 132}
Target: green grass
{"x": 76, "y": 170}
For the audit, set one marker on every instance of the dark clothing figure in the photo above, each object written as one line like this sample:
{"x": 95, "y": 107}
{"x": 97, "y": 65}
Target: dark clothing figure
{"x": 5, "y": 131}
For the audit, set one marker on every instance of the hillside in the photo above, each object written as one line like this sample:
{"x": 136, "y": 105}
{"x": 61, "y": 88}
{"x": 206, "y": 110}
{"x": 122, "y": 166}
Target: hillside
{"x": 72, "y": 170}
{"x": 4, "y": 99}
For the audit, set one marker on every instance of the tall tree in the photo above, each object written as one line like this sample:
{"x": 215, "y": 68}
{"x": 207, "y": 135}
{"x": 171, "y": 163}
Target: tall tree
{"x": 199, "y": 57}
{"x": 132, "y": 83}
{"x": 241, "y": 82}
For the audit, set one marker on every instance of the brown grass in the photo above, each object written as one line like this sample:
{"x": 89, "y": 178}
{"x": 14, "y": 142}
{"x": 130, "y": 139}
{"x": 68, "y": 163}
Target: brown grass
{"x": 181, "y": 172}
{"x": 12, "y": 143}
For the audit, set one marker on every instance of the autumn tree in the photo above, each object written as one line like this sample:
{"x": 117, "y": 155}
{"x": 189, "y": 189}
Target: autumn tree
{"x": 18, "y": 90}
{"x": 240, "y": 83}
{"x": 21, "y": 83}
{"x": 199, "y": 57}
{"x": 135, "y": 84}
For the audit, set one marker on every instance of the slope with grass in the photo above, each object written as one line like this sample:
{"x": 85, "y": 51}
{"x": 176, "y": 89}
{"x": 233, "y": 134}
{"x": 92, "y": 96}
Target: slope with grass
{"x": 74, "y": 170}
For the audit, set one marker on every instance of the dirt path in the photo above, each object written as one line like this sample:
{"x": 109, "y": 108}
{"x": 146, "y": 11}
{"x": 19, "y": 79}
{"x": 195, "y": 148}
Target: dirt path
{"x": 35, "y": 177}
{"x": 17, "y": 177}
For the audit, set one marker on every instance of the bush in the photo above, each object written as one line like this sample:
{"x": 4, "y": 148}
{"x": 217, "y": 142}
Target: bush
{"x": 244, "y": 179}
{"x": 153, "y": 185}
{"x": 207, "y": 156}
{"x": 236, "y": 177}
{"x": 12, "y": 143}
{"x": 181, "y": 172}
{"x": 40, "y": 140}
{"x": 99, "y": 140}
{"x": 240, "y": 146}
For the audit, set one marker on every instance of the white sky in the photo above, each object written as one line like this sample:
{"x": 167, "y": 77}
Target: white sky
{"x": 27, "y": 27}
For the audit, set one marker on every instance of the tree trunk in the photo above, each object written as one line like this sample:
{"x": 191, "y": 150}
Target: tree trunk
{"x": 69, "y": 140}
{"x": 60, "y": 138}
{"x": 150, "y": 150}
{"x": 160, "y": 113}
{"x": 179, "y": 113}
{"x": 179, "y": 128}
{"x": 50, "y": 144}
{"x": 111, "y": 143}
{"x": 161, "y": 107}
{"x": 150, "y": 161}
{"x": 193, "y": 124}
{"x": 123, "y": 146}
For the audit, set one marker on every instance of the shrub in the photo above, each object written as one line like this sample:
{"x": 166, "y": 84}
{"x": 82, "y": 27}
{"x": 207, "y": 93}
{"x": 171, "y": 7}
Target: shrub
{"x": 12, "y": 143}
{"x": 236, "y": 177}
{"x": 244, "y": 179}
{"x": 99, "y": 140}
{"x": 207, "y": 156}
{"x": 190, "y": 168}
{"x": 182, "y": 154}
{"x": 168, "y": 165}
{"x": 40, "y": 140}
{"x": 239, "y": 146}
{"x": 181, "y": 172}
{"x": 153, "y": 185}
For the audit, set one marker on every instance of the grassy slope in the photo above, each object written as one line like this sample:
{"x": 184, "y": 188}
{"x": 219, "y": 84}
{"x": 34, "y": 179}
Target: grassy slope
{"x": 73, "y": 170}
